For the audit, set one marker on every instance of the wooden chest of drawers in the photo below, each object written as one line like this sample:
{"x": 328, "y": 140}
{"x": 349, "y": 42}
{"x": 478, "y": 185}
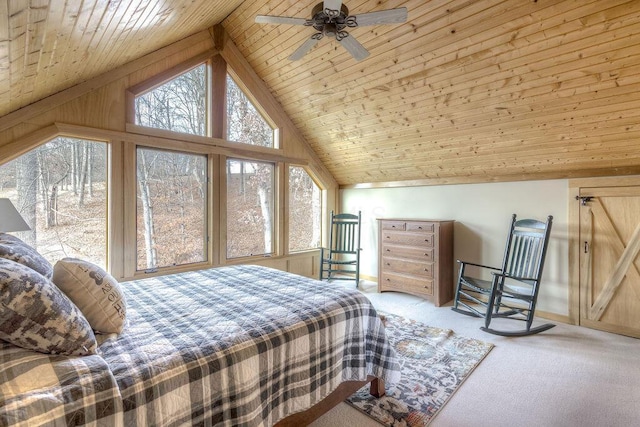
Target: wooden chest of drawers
{"x": 416, "y": 256}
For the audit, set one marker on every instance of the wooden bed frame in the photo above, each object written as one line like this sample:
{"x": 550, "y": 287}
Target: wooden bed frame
{"x": 343, "y": 391}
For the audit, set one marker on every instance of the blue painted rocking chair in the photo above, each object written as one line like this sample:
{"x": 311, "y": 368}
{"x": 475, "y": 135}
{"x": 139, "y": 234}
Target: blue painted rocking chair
{"x": 513, "y": 289}
{"x": 341, "y": 260}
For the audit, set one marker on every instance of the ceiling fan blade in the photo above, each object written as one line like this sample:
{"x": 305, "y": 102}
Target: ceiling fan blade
{"x": 389, "y": 16}
{"x": 332, "y": 4}
{"x": 304, "y": 48}
{"x": 267, "y": 19}
{"x": 354, "y": 47}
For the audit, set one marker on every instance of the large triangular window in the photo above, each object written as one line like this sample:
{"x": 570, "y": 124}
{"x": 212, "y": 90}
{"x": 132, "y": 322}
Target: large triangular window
{"x": 245, "y": 123}
{"x": 179, "y": 105}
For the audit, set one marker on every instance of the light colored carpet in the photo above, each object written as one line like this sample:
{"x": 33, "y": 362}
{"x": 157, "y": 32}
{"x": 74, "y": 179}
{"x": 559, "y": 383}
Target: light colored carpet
{"x": 567, "y": 376}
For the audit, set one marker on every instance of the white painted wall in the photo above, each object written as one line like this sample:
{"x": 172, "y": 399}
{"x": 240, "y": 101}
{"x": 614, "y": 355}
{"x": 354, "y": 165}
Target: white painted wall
{"x": 482, "y": 213}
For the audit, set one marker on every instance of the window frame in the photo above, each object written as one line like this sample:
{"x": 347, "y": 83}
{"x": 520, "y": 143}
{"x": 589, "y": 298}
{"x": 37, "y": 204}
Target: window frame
{"x": 276, "y": 239}
{"x": 263, "y": 113}
{"x": 207, "y": 208}
{"x": 160, "y": 79}
{"x": 218, "y": 149}
{"x": 58, "y": 130}
{"x": 322, "y": 190}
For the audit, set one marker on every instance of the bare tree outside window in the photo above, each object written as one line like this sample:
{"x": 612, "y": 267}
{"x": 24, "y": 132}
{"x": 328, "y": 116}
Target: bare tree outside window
{"x": 178, "y": 105}
{"x": 250, "y": 201}
{"x": 171, "y": 208}
{"x": 244, "y": 123}
{"x": 305, "y": 210}
{"x": 60, "y": 189}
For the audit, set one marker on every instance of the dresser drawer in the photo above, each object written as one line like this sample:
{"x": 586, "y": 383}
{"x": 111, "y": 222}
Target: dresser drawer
{"x": 408, "y": 239}
{"x": 397, "y": 282}
{"x": 393, "y": 225}
{"x": 420, "y": 227}
{"x": 424, "y": 269}
{"x": 422, "y": 254}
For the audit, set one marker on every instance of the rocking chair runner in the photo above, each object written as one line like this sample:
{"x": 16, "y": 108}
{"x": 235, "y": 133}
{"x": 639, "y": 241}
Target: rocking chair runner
{"x": 513, "y": 290}
{"x": 341, "y": 260}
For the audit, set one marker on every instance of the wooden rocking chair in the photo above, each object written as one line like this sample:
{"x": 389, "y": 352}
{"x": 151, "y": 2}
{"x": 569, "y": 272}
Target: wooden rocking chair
{"x": 513, "y": 289}
{"x": 341, "y": 260}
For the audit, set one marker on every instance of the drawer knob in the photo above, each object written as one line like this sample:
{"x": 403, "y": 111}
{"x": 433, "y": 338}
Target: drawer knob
{"x": 389, "y": 250}
{"x": 420, "y": 227}
{"x": 388, "y": 263}
{"x": 388, "y": 280}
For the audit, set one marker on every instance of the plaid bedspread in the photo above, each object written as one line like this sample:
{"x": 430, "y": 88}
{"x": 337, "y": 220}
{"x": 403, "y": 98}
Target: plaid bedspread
{"x": 37, "y": 390}
{"x": 242, "y": 345}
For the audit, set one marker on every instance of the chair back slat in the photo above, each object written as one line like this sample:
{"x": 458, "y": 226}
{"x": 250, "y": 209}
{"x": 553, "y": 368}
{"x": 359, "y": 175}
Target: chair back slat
{"x": 344, "y": 237}
{"x": 526, "y": 249}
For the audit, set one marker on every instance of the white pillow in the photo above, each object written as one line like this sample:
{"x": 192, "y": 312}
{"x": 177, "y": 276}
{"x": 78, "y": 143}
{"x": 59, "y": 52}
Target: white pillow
{"x": 96, "y": 293}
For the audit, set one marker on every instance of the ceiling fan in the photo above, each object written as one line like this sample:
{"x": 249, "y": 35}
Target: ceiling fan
{"x": 330, "y": 18}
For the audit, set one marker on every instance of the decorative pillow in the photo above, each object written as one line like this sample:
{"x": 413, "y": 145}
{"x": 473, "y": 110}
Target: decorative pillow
{"x": 14, "y": 249}
{"x": 96, "y": 293}
{"x": 38, "y": 316}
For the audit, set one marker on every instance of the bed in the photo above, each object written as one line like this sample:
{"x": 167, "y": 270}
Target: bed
{"x": 242, "y": 345}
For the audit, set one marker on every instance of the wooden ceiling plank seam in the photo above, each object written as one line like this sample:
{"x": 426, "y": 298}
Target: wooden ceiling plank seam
{"x": 49, "y": 49}
{"x": 611, "y": 96}
{"x": 595, "y": 172}
{"x": 444, "y": 133}
{"x": 18, "y": 23}
{"x": 594, "y": 142}
{"x": 472, "y": 165}
{"x": 299, "y": 9}
{"x": 76, "y": 45}
{"x": 35, "y": 33}
{"x": 5, "y": 59}
{"x": 477, "y": 92}
{"x": 517, "y": 130}
{"x": 439, "y": 148}
{"x": 120, "y": 51}
{"x": 432, "y": 111}
{"x": 136, "y": 27}
{"x": 63, "y": 45}
{"x": 504, "y": 75}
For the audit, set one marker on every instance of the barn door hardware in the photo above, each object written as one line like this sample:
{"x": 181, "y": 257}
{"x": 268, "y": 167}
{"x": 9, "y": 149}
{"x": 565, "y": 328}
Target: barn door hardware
{"x": 584, "y": 199}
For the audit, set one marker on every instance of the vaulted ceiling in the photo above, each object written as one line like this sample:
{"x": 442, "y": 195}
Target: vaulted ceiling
{"x": 465, "y": 91}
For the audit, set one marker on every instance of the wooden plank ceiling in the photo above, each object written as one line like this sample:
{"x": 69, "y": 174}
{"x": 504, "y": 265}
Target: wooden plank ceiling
{"x": 465, "y": 91}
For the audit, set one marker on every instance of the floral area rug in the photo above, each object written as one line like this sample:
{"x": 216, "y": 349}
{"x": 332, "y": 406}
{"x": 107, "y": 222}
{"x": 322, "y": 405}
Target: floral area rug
{"x": 434, "y": 363}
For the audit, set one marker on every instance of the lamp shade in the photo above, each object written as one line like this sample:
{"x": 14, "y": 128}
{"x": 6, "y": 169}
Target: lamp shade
{"x": 10, "y": 219}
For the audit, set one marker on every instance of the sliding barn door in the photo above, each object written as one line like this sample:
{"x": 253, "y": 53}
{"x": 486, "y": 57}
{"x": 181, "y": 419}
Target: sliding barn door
{"x": 609, "y": 238}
